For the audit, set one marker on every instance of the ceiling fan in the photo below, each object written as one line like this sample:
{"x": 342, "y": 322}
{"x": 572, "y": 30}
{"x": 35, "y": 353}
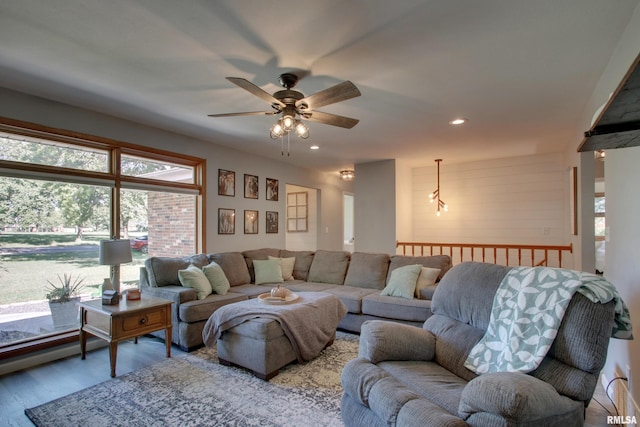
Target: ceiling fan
{"x": 294, "y": 106}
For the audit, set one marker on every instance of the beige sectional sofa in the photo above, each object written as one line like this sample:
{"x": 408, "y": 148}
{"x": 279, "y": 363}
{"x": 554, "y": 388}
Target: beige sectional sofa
{"x": 357, "y": 279}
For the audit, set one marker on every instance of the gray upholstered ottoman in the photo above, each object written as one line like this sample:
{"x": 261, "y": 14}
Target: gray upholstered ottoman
{"x": 264, "y": 338}
{"x": 259, "y": 345}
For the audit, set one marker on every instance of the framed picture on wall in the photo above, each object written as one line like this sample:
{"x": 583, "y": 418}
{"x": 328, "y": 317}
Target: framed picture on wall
{"x": 272, "y": 222}
{"x": 272, "y": 189}
{"x": 226, "y": 221}
{"x": 226, "y": 183}
{"x": 250, "y": 186}
{"x": 251, "y": 222}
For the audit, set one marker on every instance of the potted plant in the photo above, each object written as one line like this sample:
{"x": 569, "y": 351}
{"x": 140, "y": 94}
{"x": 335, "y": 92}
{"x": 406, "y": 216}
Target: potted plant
{"x": 63, "y": 297}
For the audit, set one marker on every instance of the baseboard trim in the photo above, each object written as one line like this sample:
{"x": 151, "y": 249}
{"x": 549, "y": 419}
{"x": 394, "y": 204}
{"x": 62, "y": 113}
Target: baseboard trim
{"x": 44, "y": 356}
{"x": 621, "y": 396}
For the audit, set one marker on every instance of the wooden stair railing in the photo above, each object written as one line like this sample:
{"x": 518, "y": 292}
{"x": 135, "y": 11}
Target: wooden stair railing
{"x": 492, "y": 253}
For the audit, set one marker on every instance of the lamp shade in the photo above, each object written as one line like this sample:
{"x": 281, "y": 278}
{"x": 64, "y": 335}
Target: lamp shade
{"x": 114, "y": 252}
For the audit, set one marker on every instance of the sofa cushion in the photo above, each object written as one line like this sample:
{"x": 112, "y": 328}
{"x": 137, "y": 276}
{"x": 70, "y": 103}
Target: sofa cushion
{"x": 429, "y": 380}
{"x": 402, "y": 282}
{"x": 443, "y": 262}
{"x": 329, "y": 267}
{"x": 426, "y": 284}
{"x": 267, "y": 271}
{"x": 234, "y": 266}
{"x": 258, "y": 254}
{"x": 286, "y": 265}
{"x": 163, "y": 271}
{"x": 411, "y": 310}
{"x": 200, "y": 310}
{"x": 351, "y": 296}
{"x": 215, "y": 275}
{"x": 193, "y": 277}
{"x": 367, "y": 270}
{"x": 299, "y": 286}
{"x": 302, "y": 263}
{"x": 251, "y": 290}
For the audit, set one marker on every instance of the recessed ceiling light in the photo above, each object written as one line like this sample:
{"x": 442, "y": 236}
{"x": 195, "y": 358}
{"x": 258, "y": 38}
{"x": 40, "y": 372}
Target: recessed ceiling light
{"x": 458, "y": 121}
{"x": 314, "y": 147}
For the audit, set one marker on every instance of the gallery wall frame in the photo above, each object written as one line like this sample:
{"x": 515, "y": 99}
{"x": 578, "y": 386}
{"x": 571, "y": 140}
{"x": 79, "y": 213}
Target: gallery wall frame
{"x": 226, "y": 183}
{"x": 250, "y": 186}
{"x": 226, "y": 221}
{"x": 272, "y": 189}
{"x": 271, "y": 220}
{"x": 251, "y": 222}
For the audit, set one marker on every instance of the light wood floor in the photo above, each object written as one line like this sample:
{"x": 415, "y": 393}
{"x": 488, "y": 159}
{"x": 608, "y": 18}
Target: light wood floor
{"x": 34, "y": 386}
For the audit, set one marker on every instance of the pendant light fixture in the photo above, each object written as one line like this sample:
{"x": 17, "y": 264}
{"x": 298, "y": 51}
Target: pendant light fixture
{"x": 436, "y": 194}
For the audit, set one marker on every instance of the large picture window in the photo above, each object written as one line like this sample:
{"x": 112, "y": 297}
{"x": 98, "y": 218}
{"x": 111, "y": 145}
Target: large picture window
{"x": 60, "y": 194}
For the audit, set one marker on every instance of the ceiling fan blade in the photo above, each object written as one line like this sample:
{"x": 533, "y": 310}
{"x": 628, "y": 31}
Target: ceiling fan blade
{"x": 250, "y": 87}
{"x": 330, "y": 119}
{"x": 340, "y": 92}
{"x": 248, "y": 113}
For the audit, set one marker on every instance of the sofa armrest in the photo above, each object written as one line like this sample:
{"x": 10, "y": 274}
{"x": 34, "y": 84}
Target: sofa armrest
{"x": 177, "y": 294}
{"x": 515, "y": 396}
{"x": 144, "y": 277}
{"x": 381, "y": 340}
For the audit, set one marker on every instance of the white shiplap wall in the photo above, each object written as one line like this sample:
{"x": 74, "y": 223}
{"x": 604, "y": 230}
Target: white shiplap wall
{"x": 504, "y": 201}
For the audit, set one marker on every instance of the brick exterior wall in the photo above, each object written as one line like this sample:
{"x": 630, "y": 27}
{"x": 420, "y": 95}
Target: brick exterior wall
{"x": 171, "y": 224}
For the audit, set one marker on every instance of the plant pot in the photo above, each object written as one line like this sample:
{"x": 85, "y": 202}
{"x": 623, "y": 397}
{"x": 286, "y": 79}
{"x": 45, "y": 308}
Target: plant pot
{"x": 65, "y": 314}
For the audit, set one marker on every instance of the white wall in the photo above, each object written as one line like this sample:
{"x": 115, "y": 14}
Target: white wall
{"x": 348, "y": 222}
{"x": 404, "y": 201}
{"x": 516, "y": 200}
{"x": 374, "y": 207}
{"x": 622, "y": 177}
{"x": 37, "y": 110}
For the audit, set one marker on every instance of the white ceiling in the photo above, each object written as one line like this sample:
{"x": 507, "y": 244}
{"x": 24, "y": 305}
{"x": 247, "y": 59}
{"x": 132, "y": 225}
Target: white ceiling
{"x": 522, "y": 71}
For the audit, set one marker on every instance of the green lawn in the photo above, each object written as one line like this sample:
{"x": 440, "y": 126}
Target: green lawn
{"x": 23, "y": 277}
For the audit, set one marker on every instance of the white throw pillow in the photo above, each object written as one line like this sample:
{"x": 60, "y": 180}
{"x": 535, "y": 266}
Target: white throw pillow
{"x": 216, "y": 277}
{"x": 286, "y": 264}
{"x": 426, "y": 281}
{"x": 193, "y": 277}
{"x": 402, "y": 282}
{"x": 267, "y": 271}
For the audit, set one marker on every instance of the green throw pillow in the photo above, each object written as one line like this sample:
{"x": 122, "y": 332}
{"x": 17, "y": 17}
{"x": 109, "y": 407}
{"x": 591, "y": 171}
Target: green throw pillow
{"x": 286, "y": 264}
{"x": 216, "y": 277}
{"x": 267, "y": 271}
{"x": 402, "y": 282}
{"x": 193, "y": 277}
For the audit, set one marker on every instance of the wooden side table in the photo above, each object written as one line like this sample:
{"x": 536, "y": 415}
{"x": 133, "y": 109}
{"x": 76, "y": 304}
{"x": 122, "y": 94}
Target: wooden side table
{"x": 129, "y": 319}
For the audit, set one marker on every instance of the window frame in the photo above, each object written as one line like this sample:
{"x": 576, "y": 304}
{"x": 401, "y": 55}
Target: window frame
{"x": 112, "y": 179}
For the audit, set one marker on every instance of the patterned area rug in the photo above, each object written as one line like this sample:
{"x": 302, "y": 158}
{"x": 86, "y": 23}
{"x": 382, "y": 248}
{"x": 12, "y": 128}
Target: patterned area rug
{"x": 197, "y": 391}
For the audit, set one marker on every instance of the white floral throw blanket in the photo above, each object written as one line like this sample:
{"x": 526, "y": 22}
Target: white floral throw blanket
{"x": 527, "y": 311}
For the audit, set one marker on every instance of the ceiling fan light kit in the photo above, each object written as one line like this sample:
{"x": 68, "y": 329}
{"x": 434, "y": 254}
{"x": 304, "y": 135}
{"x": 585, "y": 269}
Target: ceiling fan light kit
{"x": 347, "y": 175}
{"x": 293, "y": 107}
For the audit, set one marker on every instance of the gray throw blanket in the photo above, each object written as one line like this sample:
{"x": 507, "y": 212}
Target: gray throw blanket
{"x": 309, "y": 323}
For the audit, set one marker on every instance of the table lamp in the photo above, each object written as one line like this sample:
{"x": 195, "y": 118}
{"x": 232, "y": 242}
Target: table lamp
{"x": 113, "y": 253}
